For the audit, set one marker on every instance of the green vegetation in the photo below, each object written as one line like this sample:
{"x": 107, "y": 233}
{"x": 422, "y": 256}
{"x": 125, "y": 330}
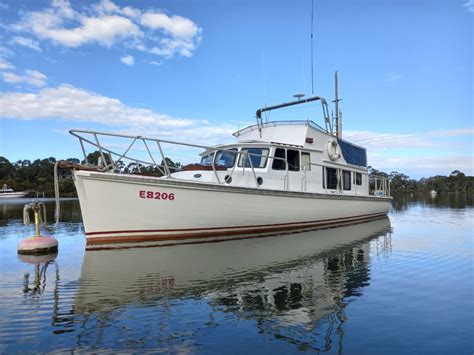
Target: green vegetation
{"x": 37, "y": 176}
{"x": 34, "y": 176}
{"x": 455, "y": 182}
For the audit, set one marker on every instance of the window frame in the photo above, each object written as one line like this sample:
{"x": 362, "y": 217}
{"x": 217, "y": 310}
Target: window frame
{"x": 242, "y": 157}
{"x": 344, "y": 187}
{"x": 293, "y": 167}
{"x": 226, "y": 151}
{"x": 279, "y": 161}
{"x": 308, "y": 168}
{"x": 327, "y": 176}
{"x": 212, "y": 157}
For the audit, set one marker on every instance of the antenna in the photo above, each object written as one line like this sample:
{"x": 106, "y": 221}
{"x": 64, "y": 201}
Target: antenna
{"x": 312, "y": 75}
{"x": 338, "y": 112}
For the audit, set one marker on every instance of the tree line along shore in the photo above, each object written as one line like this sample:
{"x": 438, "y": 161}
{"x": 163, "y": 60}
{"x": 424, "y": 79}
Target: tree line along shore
{"x": 37, "y": 177}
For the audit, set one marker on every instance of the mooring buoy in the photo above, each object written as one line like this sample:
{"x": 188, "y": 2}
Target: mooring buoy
{"x": 37, "y": 244}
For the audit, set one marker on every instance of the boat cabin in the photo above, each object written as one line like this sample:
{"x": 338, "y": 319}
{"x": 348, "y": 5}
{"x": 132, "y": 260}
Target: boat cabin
{"x": 292, "y": 156}
{"x": 289, "y": 156}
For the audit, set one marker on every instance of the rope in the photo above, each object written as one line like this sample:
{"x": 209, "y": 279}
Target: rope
{"x": 26, "y": 215}
{"x": 43, "y": 221}
{"x": 41, "y": 207}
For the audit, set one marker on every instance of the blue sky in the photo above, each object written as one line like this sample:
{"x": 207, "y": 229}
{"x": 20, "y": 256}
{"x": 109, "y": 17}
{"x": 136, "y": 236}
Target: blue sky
{"x": 197, "y": 70}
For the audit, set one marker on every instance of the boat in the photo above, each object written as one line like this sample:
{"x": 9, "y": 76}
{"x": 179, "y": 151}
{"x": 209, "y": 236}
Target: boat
{"x": 7, "y": 192}
{"x": 277, "y": 176}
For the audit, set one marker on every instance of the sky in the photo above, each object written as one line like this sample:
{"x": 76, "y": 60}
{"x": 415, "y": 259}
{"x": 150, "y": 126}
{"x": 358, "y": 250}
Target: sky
{"x": 196, "y": 71}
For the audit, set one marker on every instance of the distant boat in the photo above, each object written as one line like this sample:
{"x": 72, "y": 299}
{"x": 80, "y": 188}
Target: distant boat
{"x": 7, "y": 192}
{"x": 433, "y": 193}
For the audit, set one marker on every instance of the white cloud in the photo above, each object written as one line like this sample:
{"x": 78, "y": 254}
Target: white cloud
{"x": 63, "y": 8}
{"x": 423, "y": 165}
{"x": 5, "y": 52}
{"x": 432, "y": 152}
{"x": 107, "y": 24}
{"x": 26, "y": 42}
{"x": 5, "y": 65}
{"x": 130, "y": 12}
{"x": 106, "y": 7}
{"x": 469, "y": 6}
{"x": 128, "y": 59}
{"x": 69, "y": 103}
{"x": 31, "y": 77}
{"x": 105, "y": 30}
{"x": 383, "y": 141}
{"x": 177, "y": 26}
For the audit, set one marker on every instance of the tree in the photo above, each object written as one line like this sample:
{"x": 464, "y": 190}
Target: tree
{"x": 93, "y": 158}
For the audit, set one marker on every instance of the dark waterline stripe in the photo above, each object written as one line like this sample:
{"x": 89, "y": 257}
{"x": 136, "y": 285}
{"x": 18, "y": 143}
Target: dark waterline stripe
{"x": 222, "y": 232}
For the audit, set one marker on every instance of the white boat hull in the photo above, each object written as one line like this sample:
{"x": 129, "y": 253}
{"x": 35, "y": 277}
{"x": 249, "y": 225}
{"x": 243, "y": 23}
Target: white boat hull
{"x": 119, "y": 208}
{"x": 13, "y": 194}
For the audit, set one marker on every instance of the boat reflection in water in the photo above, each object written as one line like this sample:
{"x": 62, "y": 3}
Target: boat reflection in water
{"x": 295, "y": 286}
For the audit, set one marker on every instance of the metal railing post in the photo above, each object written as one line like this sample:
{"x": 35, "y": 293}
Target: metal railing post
{"x": 214, "y": 167}
{"x": 149, "y": 153}
{"x": 84, "y": 151}
{"x": 253, "y": 170}
{"x": 167, "y": 170}
{"x": 100, "y": 148}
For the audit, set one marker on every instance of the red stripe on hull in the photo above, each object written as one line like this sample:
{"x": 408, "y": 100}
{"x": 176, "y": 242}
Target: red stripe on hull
{"x": 222, "y": 231}
{"x": 230, "y": 227}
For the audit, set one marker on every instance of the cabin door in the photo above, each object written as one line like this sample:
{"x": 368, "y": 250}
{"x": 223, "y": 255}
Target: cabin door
{"x": 286, "y": 165}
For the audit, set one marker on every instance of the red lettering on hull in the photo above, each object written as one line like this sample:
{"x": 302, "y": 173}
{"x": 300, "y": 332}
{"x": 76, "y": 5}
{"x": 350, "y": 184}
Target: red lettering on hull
{"x": 156, "y": 195}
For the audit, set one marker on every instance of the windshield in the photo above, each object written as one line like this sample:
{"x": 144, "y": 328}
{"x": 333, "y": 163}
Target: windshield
{"x": 207, "y": 159}
{"x": 256, "y": 158}
{"x": 226, "y": 158}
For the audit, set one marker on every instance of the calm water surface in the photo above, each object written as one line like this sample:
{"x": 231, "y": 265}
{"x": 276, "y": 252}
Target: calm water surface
{"x": 397, "y": 285}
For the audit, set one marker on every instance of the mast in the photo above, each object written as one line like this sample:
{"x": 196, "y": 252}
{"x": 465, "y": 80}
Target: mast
{"x": 338, "y": 124}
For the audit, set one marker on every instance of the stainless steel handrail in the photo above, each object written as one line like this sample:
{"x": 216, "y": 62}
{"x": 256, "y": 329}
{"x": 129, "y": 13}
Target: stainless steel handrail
{"x": 164, "y": 169}
{"x": 381, "y": 185}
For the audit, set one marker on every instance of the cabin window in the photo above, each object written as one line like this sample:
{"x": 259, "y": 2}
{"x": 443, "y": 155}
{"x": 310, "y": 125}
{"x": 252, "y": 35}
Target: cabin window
{"x": 207, "y": 159}
{"x": 293, "y": 158}
{"x": 306, "y": 161}
{"x": 257, "y": 157}
{"x": 346, "y": 180}
{"x": 358, "y": 178}
{"x": 331, "y": 178}
{"x": 226, "y": 158}
{"x": 279, "y": 162}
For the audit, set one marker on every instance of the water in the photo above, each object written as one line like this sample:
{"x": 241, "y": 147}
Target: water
{"x": 397, "y": 285}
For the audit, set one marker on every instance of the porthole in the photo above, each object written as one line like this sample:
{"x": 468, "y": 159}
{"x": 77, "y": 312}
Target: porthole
{"x": 228, "y": 179}
{"x": 197, "y": 176}
{"x": 259, "y": 180}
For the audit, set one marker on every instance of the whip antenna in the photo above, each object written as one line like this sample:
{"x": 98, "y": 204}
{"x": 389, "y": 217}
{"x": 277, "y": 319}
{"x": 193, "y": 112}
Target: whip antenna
{"x": 312, "y": 75}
